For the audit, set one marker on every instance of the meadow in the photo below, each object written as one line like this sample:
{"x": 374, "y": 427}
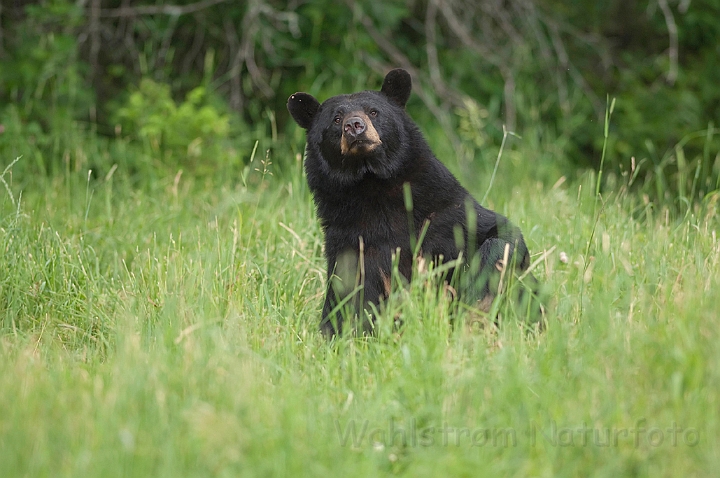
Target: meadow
{"x": 169, "y": 327}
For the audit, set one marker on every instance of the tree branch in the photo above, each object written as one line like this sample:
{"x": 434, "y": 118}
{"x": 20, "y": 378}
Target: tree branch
{"x": 174, "y": 10}
{"x": 673, "y": 34}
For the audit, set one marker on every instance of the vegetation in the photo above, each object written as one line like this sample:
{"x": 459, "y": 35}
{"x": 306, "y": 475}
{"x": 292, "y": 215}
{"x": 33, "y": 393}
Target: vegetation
{"x": 536, "y": 67}
{"x": 161, "y": 270}
{"x": 173, "y": 330}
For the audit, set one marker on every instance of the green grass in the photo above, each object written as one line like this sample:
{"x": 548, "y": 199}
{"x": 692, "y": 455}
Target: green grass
{"x": 171, "y": 329}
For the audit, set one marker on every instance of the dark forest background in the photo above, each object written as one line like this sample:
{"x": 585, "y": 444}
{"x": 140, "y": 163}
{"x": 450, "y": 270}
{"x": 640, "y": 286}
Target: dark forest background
{"x": 155, "y": 85}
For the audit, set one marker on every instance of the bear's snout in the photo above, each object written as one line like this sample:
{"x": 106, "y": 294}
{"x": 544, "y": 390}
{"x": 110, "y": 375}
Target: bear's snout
{"x": 359, "y": 135}
{"x": 354, "y": 126}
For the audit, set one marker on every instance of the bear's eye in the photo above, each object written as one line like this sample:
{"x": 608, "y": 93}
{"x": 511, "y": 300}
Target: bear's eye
{"x": 337, "y": 120}
{"x": 373, "y": 113}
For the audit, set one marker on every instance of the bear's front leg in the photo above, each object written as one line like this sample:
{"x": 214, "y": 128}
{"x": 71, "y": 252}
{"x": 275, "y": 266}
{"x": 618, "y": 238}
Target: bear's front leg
{"x": 357, "y": 281}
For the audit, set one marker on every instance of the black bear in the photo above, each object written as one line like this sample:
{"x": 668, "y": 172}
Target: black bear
{"x": 363, "y": 152}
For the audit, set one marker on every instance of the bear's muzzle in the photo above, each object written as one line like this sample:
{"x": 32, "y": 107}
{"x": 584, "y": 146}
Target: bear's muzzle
{"x": 359, "y": 134}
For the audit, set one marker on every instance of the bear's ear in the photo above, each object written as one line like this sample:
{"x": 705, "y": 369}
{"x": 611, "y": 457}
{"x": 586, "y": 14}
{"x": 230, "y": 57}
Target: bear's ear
{"x": 303, "y": 107}
{"x": 397, "y": 86}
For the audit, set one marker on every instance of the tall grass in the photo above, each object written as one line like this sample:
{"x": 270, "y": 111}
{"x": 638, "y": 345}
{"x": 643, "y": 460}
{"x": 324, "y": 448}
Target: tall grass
{"x": 172, "y": 330}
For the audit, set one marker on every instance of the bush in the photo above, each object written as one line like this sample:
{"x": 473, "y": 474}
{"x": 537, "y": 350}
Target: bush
{"x": 192, "y": 134}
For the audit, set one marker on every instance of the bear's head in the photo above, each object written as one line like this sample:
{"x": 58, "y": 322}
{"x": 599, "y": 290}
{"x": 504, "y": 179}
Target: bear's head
{"x": 349, "y": 136}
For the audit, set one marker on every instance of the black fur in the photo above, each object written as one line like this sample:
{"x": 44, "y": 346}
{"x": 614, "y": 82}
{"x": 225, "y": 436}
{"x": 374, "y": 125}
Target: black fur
{"x": 360, "y": 202}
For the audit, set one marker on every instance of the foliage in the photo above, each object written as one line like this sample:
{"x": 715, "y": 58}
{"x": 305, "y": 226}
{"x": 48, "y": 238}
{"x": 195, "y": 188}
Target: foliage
{"x": 42, "y": 72}
{"x": 193, "y": 131}
{"x": 534, "y": 62}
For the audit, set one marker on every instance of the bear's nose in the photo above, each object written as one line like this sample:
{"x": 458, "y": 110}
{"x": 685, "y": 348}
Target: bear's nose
{"x": 354, "y": 126}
